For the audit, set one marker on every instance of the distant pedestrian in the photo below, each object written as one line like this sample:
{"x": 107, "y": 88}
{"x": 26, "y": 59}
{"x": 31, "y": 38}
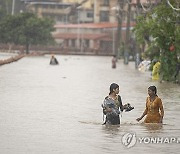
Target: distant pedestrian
{"x": 156, "y": 71}
{"x": 114, "y": 60}
{"x": 177, "y": 72}
{"x": 53, "y": 61}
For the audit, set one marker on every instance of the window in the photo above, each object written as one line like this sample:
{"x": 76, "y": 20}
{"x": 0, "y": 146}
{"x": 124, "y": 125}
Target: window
{"x": 45, "y": 6}
{"x": 73, "y": 43}
{"x": 104, "y": 16}
{"x": 86, "y": 43}
{"x": 89, "y": 15}
{"x": 106, "y": 2}
{"x": 52, "y": 6}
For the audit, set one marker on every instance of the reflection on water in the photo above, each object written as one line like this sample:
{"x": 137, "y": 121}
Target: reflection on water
{"x": 153, "y": 127}
{"x": 57, "y": 109}
{"x": 111, "y": 129}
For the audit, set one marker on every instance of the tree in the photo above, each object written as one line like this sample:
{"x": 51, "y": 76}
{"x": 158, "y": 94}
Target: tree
{"x": 2, "y": 13}
{"x": 7, "y": 30}
{"x": 26, "y": 29}
{"x": 160, "y": 29}
{"x": 6, "y": 6}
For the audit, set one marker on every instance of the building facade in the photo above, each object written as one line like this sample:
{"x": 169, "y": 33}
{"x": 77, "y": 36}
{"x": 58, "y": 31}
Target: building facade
{"x": 88, "y": 38}
{"x": 62, "y": 11}
{"x": 89, "y": 25}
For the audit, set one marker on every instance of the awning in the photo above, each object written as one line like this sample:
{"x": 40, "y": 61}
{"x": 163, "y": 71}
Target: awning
{"x": 82, "y": 36}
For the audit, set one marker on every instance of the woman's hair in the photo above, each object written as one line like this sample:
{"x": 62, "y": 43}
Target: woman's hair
{"x": 112, "y": 87}
{"x": 154, "y": 89}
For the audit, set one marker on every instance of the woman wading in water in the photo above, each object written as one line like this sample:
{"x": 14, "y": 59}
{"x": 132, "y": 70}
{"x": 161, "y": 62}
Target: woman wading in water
{"x": 112, "y": 105}
{"x": 154, "y": 108}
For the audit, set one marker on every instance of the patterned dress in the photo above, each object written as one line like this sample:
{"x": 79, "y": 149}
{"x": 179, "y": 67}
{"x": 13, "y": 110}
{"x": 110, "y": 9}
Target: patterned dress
{"x": 113, "y": 116}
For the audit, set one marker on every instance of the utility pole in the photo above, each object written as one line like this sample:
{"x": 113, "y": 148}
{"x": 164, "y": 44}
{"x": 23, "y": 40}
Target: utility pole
{"x": 127, "y": 43}
{"x": 119, "y": 27}
{"x": 12, "y": 13}
{"x": 95, "y": 12}
{"x": 128, "y": 24}
{"x": 138, "y": 49}
{"x": 13, "y": 6}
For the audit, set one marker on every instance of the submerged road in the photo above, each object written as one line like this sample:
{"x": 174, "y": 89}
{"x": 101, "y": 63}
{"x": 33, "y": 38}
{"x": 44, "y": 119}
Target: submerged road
{"x": 57, "y": 109}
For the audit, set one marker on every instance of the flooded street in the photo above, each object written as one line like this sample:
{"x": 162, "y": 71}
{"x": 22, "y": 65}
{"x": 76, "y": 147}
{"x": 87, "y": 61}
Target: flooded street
{"x": 57, "y": 109}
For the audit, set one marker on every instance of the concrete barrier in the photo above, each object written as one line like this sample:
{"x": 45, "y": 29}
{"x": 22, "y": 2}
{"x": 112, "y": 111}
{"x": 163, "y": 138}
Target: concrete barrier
{"x": 11, "y": 59}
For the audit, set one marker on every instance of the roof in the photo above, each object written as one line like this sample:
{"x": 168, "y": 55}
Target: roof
{"x": 84, "y": 36}
{"x": 142, "y": 1}
{"x": 91, "y": 25}
{"x": 50, "y": 3}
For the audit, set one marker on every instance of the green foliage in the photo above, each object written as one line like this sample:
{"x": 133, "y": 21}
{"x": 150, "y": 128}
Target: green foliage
{"x": 160, "y": 29}
{"x": 2, "y": 13}
{"x": 26, "y": 29}
{"x": 6, "y": 6}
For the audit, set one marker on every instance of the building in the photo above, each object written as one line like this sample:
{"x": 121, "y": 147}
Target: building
{"x": 89, "y": 26}
{"x": 103, "y": 11}
{"x": 88, "y": 38}
{"x": 98, "y": 37}
{"x": 75, "y": 11}
{"x": 64, "y": 11}
{"x": 87, "y": 4}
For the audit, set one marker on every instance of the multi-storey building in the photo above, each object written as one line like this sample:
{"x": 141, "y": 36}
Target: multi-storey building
{"x": 103, "y": 10}
{"x": 88, "y": 4}
{"x": 100, "y": 35}
{"x": 62, "y": 11}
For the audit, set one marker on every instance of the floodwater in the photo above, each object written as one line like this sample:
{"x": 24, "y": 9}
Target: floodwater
{"x": 4, "y": 55}
{"x": 57, "y": 109}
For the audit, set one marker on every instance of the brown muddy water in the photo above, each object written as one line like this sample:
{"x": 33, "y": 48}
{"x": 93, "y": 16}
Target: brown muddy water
{"x": 57, "y": 109}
